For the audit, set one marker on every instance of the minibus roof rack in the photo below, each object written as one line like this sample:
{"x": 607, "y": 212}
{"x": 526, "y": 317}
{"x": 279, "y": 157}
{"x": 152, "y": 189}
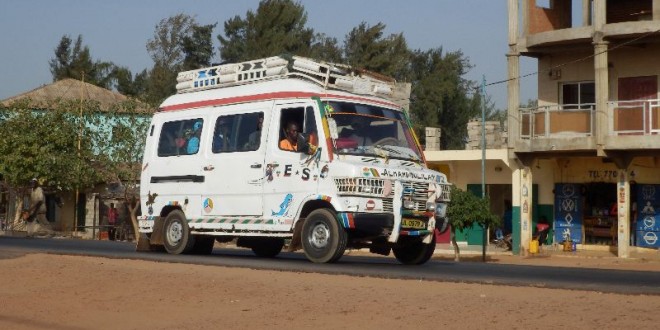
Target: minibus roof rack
{"x": 328, "y": 75}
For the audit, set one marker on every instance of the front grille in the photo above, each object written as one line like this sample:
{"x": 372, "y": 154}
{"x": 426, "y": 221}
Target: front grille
{"x": 360, "y": 186}
{"x": 374, "y": 187}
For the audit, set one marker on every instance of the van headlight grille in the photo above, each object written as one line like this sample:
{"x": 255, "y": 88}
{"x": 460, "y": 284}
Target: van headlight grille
{"x": 368, "y": 187}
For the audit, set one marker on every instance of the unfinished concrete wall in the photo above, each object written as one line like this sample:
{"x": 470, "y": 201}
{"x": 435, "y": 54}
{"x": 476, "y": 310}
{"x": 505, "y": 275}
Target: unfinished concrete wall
{"x": 629, "y": 10}
{"x": 496, "y": 135}
{"x": 432, "y": 138}
{"x": 558, "y": 16}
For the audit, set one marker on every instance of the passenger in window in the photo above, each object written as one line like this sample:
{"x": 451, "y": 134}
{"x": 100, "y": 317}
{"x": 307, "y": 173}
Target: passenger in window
{"x": 255, "y": 137}
{"x": 193, "y": 141}
{"x": 221, "y": 140}
{"x": 290, "y": 141}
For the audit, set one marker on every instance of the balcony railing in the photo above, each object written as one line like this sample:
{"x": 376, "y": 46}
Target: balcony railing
{"x": 639, "y": 117}
{"x": 561, "y": 120}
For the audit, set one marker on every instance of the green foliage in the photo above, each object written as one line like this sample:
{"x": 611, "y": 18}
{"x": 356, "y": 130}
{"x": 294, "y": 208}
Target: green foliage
{"x": 466, "y": 209}
{"x": 441, "y": 96}
{"x": 75, "y": 62}
{"x": 366, "y": 48}
{"x": 198, "y": 47}
{"x": 71, "y": 146}
{"x": 44, "y": 144}
{"x": 178, "y": 44}
{"x": 277, "y": 27}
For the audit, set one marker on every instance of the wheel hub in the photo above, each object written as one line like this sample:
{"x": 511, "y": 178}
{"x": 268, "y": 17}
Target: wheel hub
{"x": 174, "y": 233}
{"x": 319, "y": 236}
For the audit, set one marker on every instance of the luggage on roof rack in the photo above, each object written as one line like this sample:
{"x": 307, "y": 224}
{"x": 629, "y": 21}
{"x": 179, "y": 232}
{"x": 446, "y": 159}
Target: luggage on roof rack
{"x": 328, "y": 75}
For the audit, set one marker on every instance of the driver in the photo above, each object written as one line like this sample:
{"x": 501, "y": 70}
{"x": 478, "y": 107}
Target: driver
{"x": 290, "y": 141}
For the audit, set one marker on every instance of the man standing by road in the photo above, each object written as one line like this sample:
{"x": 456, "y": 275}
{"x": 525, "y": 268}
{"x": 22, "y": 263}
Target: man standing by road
{"x": 38, "y": 211}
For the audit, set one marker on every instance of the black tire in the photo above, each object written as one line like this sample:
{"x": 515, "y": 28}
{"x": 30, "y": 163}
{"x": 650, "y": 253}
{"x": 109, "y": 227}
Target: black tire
{"x": 176, "y": 234}
{"x": 323, "y": 239}
{"x": 267, "y": 247}
{"x": 203, "y": 244}
{"x": 412, "y": 251}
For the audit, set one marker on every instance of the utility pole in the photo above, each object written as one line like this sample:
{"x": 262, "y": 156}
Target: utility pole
{"x": 483, "y": 160}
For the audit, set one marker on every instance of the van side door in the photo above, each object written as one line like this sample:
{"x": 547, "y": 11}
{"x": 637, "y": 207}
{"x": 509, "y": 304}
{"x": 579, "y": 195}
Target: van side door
{"x": 234, "y": 163}
{"x": 289, "y": 177}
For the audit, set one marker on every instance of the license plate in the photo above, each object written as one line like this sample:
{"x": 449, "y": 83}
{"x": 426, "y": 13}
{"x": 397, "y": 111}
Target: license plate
{"x": 413, "y": 223}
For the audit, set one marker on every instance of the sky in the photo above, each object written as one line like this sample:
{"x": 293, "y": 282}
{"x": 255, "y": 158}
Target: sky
{"x": 117, "y": 31}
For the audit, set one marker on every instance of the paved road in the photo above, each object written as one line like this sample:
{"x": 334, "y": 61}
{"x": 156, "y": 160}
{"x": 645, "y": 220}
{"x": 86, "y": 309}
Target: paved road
{"x": 616, "y": 281}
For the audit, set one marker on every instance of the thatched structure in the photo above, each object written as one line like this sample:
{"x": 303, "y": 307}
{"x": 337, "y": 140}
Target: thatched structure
{"x": 72, "y": 89}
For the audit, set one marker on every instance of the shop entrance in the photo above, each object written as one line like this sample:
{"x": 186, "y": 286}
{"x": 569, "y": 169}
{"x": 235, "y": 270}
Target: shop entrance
{"x": 600, "y": 213}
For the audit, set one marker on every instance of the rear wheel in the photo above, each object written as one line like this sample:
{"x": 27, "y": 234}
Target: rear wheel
{"x": 176, "y": 233}
{"x": 412, "y": 251}
{"x": 203, "y": 244}
{"x": 267, "y": 247}
{"x": 323, "y": 239}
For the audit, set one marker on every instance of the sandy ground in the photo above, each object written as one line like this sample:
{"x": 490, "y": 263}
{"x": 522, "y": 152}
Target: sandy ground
{"x": 42, "y": 291}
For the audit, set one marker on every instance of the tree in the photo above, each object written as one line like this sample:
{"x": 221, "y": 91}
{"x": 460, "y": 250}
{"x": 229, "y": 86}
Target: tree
{"x": 128, "y": 125}
{"x": 56, "y": 146}
{"x": 198, "y": 47}
{"x": 366, "y": 48}
{"x": 178, "y": 44}
{"x": 441, "y": 96}
{"x": 77, "y": 61}
{"x": 277, "y": 27}
{"x": 465, "y": 210}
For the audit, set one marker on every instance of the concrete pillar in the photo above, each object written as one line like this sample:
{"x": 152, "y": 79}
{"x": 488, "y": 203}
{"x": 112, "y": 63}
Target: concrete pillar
{"x": 656, "y": 10}
{"x": 599, "y": 15}
{"x": 525, "y": 15}
{"x": 623, "y": 217}
{"x": 516, "y": 174}
{"x": 601, "y": 121}
{"x": 601, "y": 74}
{"x": 586, "y": 12}
{"x": 525, "y": 208}
{"x": 513, "y": 85}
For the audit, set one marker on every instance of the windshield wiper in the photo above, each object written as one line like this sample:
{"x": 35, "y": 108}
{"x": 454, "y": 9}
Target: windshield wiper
{"x": 403, "y": 156}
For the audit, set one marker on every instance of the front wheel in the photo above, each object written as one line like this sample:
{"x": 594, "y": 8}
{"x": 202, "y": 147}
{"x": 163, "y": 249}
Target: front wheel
{"x": 323, "y": 239}
{"x": 176, "y": 234}
{"x": 412, "y": 251}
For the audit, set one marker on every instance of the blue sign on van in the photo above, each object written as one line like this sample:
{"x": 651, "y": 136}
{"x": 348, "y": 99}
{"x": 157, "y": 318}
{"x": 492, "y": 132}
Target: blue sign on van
{"x": 568, "y": 212}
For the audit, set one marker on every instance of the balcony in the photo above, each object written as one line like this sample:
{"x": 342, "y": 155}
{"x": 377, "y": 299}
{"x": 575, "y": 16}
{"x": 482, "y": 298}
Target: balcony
{"x": 572, "y": 127}
{"x": 640, "y": 117}
{"x": 633, "y": 125}
{"x": 569, "y": 120}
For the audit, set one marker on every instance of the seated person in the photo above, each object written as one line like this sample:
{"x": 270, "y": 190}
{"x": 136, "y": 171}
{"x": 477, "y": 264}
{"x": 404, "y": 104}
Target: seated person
{"x": 290, "y": 141}
{"x": 357, "y": 132}
{"x": 255, "y": 137}
{"x": 221, "y": 141}
{"x": 193, "y": 142}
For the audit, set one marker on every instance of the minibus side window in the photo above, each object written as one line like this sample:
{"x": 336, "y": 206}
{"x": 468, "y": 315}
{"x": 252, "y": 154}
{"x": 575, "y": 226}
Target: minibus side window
{"x": 180, "y": 137}
{"x": 238, "y": 133}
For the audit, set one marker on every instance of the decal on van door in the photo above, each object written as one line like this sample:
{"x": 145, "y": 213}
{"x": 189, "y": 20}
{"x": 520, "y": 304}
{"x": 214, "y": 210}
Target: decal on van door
{"x": 151, "y": 198}
{"x": 207, "y": 205}
{"x": 284, "y": 206}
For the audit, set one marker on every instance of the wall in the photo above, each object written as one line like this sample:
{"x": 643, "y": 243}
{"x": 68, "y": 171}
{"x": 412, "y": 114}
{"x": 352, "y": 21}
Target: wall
{"x": 644, "y": 63}
{"x": 627, "y": 10}
{"x": 555, "y": 18}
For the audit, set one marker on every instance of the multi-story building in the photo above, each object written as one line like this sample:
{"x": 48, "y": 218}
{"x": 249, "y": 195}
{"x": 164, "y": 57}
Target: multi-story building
{"x": 591, "y": 146}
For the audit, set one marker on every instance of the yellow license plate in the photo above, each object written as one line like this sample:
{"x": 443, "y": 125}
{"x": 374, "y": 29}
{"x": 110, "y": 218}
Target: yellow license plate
{"x": 413, "y": 223}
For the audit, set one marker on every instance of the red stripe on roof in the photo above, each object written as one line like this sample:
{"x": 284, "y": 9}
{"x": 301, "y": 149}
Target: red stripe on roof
{"x": 265, "y": 97}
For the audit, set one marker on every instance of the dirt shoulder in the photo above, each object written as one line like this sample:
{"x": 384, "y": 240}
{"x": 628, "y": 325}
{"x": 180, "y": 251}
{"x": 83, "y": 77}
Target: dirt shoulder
{"x": 70, "y": 292}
